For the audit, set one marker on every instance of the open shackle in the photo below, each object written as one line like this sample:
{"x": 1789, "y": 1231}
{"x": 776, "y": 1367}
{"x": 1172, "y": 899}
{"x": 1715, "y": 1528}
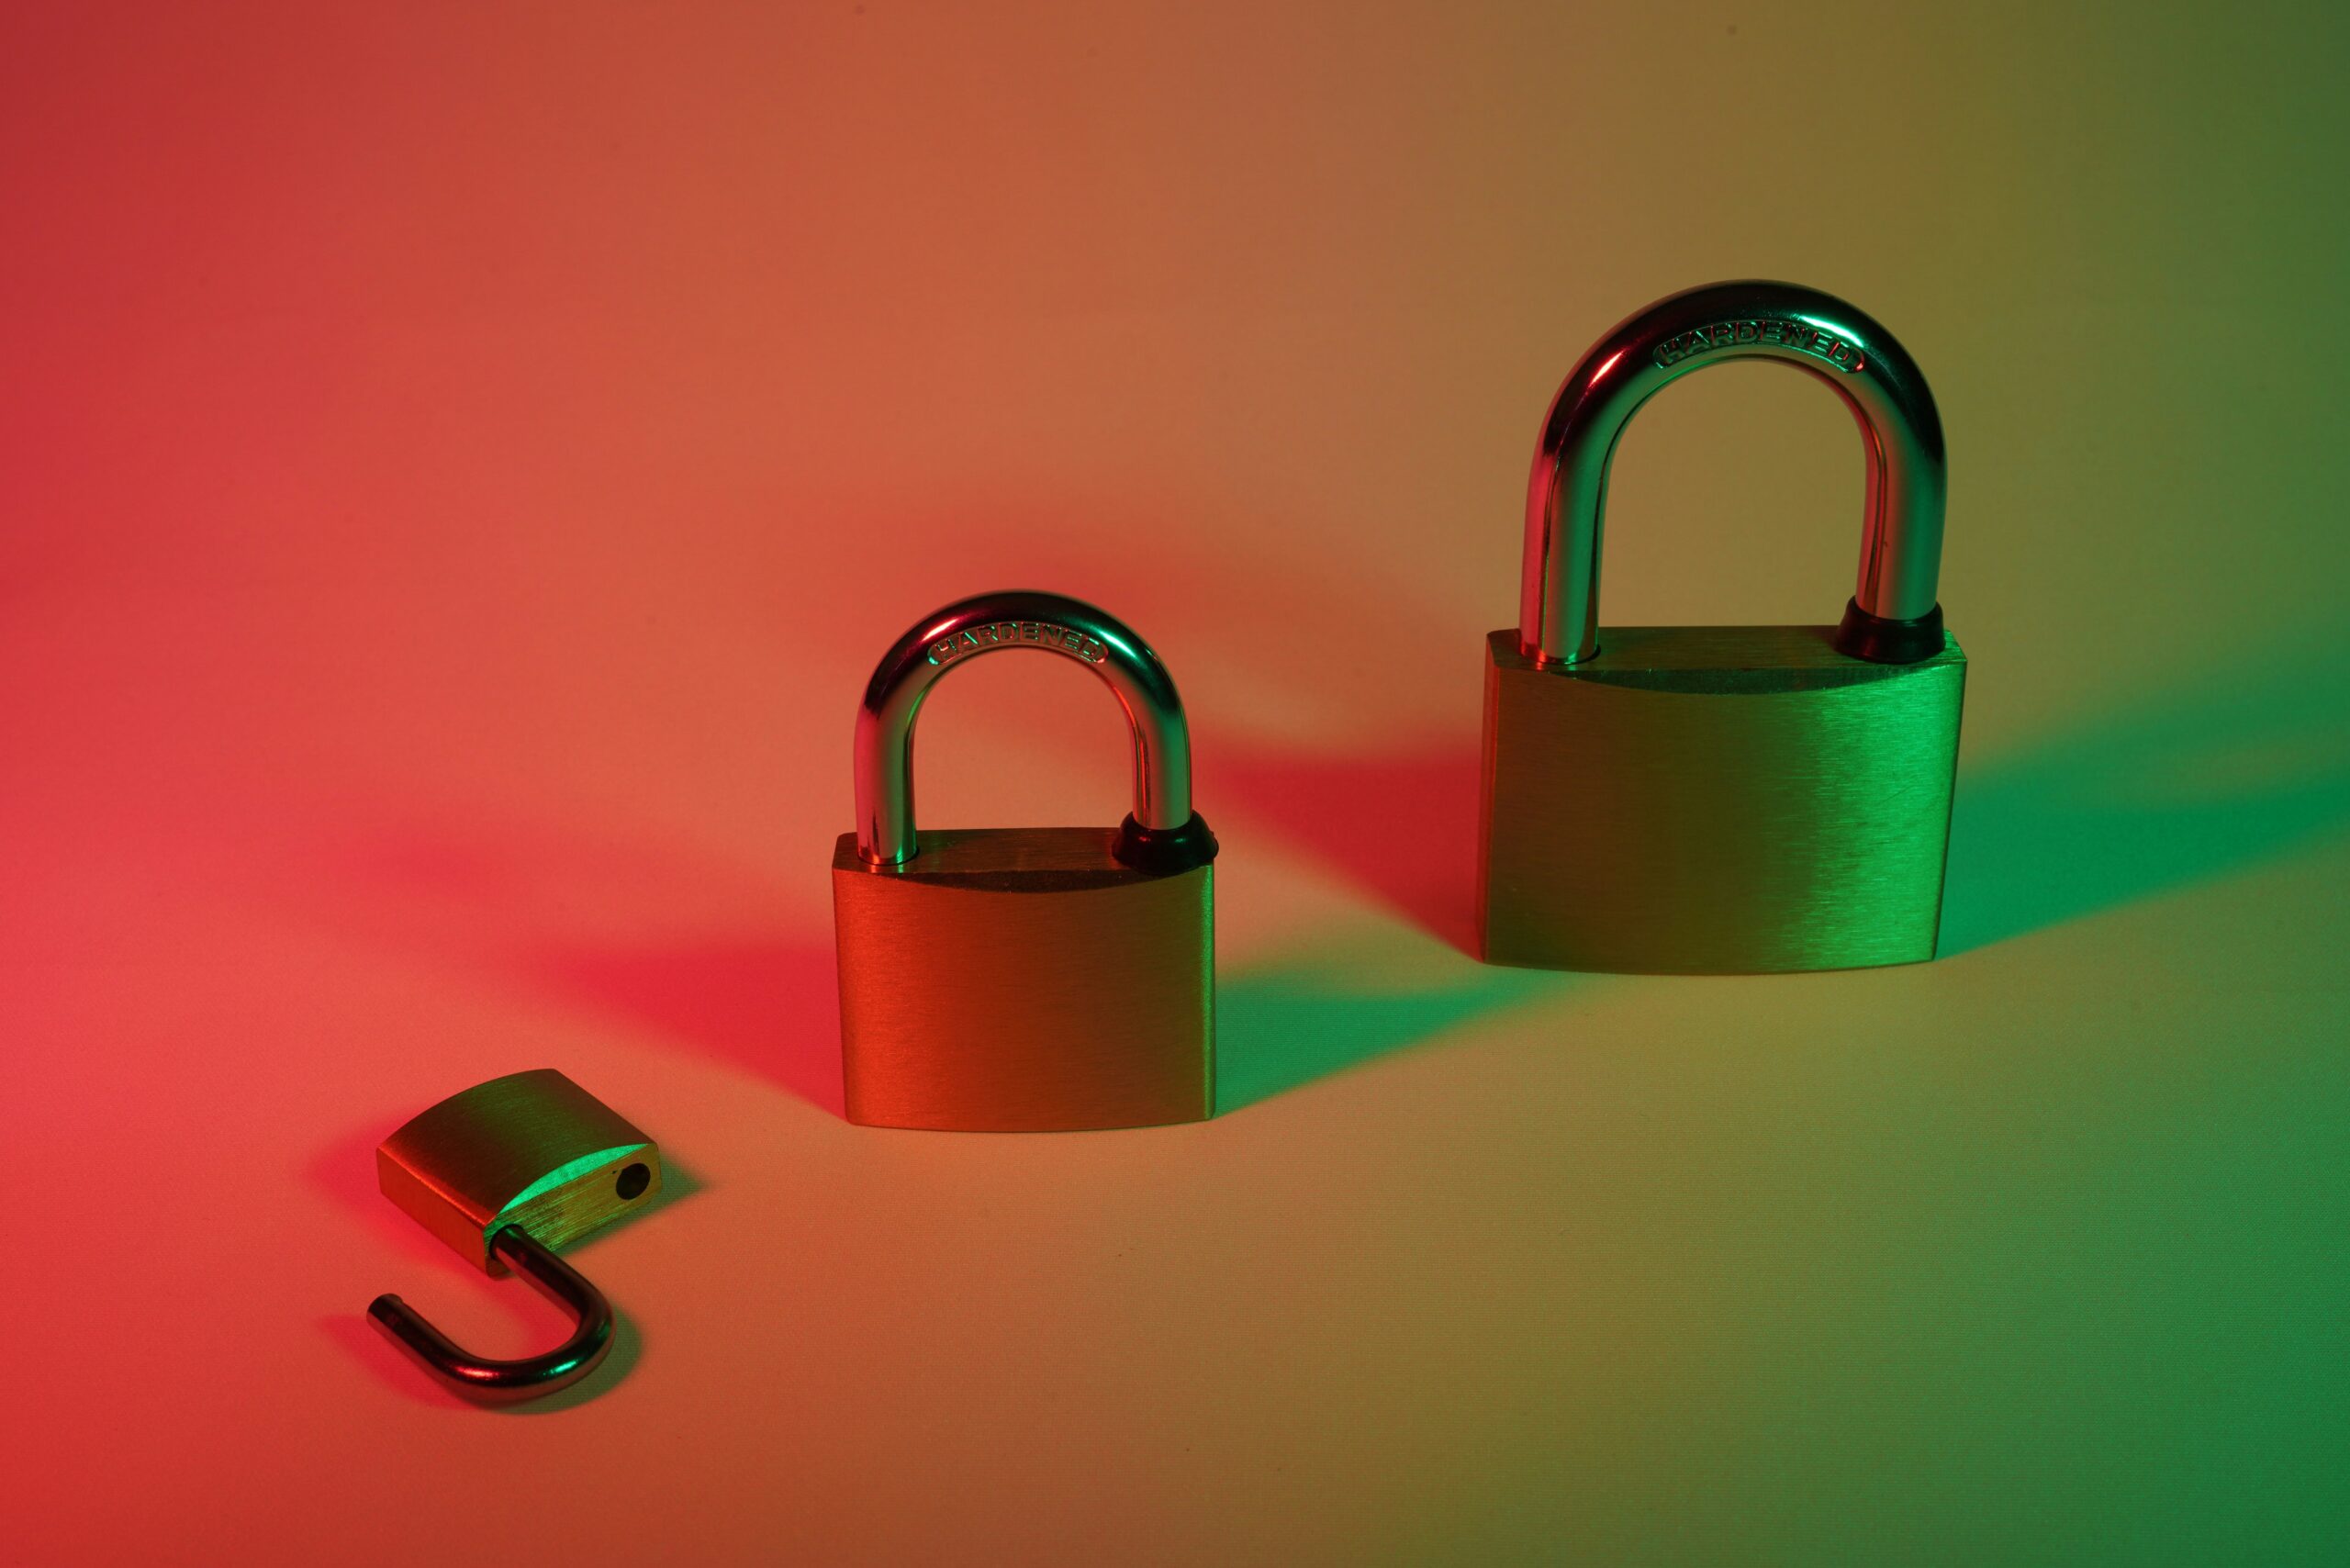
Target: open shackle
{"x": 1894, "y": 617}
{"x": 505, "y": 1172}
{"x": 1162, "y": 834}
{"x": 530, "y": 1377}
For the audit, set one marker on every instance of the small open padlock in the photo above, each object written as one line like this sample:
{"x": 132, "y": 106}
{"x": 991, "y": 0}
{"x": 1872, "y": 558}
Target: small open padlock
{"x": 1025, "y": 979}
{"x": 506, "y": 1172}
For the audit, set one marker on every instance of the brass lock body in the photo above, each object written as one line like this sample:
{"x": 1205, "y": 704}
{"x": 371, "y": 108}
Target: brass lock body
{"x": 505, "y": 1172}
{"x": 1025, "y": 979}
{"x": 1723, "y": 799}
{"x": 531, "y": 1148}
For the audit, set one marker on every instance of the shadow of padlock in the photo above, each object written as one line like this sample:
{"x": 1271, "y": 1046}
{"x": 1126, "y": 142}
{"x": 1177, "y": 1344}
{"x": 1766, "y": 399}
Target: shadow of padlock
{"x": 1723, "y": 799}
{"x": 1025, "y": 979}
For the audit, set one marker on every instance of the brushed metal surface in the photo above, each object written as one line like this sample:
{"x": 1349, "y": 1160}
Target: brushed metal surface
{"x": 531, "y": 1148}
{"x": 1022, "y": 980}
{"x": 1714, "y": 799}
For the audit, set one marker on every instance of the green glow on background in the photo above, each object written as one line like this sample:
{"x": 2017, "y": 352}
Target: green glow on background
{"x": 2244, "y": 757}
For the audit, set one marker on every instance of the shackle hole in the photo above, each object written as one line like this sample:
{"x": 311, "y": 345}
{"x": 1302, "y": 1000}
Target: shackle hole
{"x": 633, "y": 1180}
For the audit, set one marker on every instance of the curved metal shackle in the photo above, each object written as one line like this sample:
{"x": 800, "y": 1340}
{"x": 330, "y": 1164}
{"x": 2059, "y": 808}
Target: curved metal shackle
{"x": 1895, "y": 618}
{"x": 1020, "y": 618}
{"x": 511, "y": 1382}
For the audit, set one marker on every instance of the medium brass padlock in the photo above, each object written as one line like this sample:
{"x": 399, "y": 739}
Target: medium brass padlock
{"x": 1025, "y": 980}
{"x": 505, "y": 1172}
{"x": 1723, "y": 799}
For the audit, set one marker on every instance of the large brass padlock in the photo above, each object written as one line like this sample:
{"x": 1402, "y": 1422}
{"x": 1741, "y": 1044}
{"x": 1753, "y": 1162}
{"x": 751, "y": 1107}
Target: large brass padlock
{"x": 506, "y": 1172}
{"x": 1003, "y": 980}
{"x": 1723, "y": 799}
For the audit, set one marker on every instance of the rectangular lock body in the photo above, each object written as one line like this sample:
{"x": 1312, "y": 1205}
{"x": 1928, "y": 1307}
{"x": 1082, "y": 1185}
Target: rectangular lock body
{"x": 531, "y": 1148}
{"x": 1022, "y": 980}
{"x": 1714, "y": 799}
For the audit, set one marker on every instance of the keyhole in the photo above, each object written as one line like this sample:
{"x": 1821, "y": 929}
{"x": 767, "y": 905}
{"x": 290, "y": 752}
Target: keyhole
{"x": 632, "y": 1181}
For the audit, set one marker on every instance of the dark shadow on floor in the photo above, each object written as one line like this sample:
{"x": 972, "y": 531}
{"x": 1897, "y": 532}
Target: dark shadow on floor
{"x": 1400, "y": 824}
{"x": 1305, "y": 1017}
{"x": 770, "y": 1008}
{"x": 2227, "y": 769}
{"x": 533, "y": 907}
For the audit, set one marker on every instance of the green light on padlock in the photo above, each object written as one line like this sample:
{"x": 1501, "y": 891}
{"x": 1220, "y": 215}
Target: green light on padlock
{"x": 1723, "y": 799}
{"x": 506, "y": 1172}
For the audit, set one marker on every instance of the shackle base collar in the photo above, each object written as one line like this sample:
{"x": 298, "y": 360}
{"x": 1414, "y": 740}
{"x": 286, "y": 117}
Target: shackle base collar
{"x": 1882, "y": 642}
{"x": 1164, "y": 851}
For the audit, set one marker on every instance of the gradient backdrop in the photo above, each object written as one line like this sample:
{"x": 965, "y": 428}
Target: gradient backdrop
{"x": 459, "y": 463}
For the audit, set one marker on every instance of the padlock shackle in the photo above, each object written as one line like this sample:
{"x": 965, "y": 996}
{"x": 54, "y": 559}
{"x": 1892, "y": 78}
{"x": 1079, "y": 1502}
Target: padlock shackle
{"x": 1894, "y": 617}
{"x": 499, "y": 1382}
{"x": 1020, "y": 618}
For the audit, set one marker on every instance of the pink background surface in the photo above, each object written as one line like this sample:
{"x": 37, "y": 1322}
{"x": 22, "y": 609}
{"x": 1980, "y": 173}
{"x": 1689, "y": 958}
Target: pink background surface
{"x": 461, "y": 463}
